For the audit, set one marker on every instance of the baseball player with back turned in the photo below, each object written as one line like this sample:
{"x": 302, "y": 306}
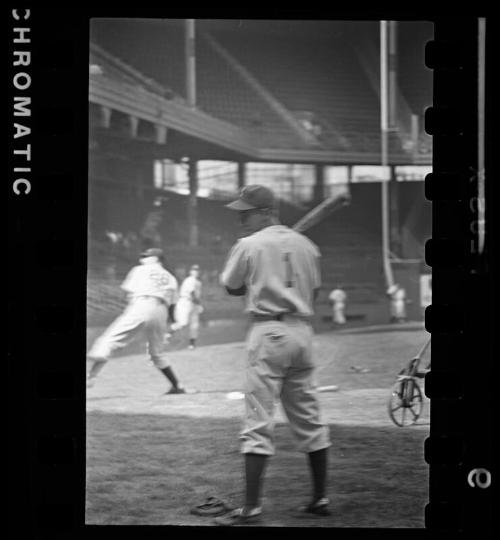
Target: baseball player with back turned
{"x": 338, "y": 298}
{"x": 151, "y": 290}
{"x": 278, "y": 271}
{"x": 398, "y": 303}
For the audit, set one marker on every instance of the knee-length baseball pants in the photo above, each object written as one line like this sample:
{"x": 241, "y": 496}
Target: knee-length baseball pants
{"x": 145, "y": 317}
{"x": 280, "y": 367}
{"x": 187, "y": 313}
{"x": 338, "y": 313}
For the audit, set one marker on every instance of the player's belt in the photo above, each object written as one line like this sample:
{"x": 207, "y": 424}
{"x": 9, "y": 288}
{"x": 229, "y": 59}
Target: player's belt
{"x": 257, "y": 317}
{"x": 157, "y": 298}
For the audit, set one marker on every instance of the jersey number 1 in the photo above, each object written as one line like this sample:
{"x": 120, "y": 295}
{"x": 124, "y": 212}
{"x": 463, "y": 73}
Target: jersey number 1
{"x": 288, "y": 269}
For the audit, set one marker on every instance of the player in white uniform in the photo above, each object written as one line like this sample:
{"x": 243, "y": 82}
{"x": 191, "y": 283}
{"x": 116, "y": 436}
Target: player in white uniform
{"x": 278, "y": 270}
{"x": 338, "y": 299}
{"x": 398, "y": 303}
{"x": 189, "y": 308}
{"x": 151, "y": 290}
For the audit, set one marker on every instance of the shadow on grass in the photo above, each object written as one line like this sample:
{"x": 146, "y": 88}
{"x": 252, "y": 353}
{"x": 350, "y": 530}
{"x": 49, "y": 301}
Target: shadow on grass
{"x": 149, "y": 470}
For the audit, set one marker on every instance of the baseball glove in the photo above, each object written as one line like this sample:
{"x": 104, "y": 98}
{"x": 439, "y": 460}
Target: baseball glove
{"x": 237, "y": 292}
{"x": 212, "y": 506}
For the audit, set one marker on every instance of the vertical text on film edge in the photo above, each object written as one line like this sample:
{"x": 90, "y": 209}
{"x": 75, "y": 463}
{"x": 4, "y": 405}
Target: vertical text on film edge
{"x": 21, "y": 80}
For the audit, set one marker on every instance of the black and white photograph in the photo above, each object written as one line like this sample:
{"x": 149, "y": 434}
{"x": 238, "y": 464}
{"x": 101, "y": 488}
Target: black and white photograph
{"x": 234, "y": 245}
{"x": 256, "y": 273}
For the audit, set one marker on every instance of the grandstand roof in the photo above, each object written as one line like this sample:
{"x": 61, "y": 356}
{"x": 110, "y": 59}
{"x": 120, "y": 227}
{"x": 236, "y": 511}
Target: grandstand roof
{"x": 268, "y": 90}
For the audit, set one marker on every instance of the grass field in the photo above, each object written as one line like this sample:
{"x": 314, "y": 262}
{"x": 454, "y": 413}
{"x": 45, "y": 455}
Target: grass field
{"x": 150, "y": 457}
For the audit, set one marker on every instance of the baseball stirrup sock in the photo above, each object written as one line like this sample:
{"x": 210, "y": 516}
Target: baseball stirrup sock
{"x": 169, "y": 374}
{"x": 254, "y": 469}
{"x": 96, "y": 368}
{"x": 318, "y": 465}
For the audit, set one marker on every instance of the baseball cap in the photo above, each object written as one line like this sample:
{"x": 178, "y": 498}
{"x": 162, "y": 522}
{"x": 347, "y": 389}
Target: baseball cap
{"x": 253, "y": 196}
{"x": 152, "y": 252}
{"x": 195, "y": 267}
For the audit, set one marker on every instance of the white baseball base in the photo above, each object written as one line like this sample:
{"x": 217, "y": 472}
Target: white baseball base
{"x": 235, "y": 395}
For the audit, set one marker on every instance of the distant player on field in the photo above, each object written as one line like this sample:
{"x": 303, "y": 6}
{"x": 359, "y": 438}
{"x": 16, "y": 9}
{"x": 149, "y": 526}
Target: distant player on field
{"x": 397, "y": 296}
{"x": 151, "y": 289}
{"x": 188, "y": 307}
{"x": 338, "y": 299}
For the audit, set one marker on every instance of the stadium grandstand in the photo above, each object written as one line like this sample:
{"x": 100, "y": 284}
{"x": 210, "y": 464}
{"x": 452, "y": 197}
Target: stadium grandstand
{"x": 183, "y": 113}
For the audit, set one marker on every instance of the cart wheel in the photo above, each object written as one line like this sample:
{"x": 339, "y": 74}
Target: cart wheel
{"x": 406, "y": 402}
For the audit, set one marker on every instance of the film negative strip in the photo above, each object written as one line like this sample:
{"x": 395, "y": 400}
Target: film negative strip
{"x": 458, "y": 449}
{"x": 48, "y": 90}
{"x": 47, "y": 220}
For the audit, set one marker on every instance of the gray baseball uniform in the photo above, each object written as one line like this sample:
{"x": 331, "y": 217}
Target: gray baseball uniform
{"x": 280, "y": 269}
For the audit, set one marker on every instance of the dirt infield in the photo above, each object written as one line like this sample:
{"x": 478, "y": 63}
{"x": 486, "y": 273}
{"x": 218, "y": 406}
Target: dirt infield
{"x": 151, "y": 456}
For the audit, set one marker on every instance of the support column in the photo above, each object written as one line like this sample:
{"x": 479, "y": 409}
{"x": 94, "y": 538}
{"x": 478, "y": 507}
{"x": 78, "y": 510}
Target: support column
{"x": 395, "y": 231}
{"x": 349, "y": 174}
{"x": 319, "y": 183}
{"x": 161, "y": 134}
{"x": 144, "y": 177}
{"x": 134, "y": 126}
{"x": 384, "y": 139}
{"x": 105, "y": 119}
{"x": 192, "y": 209}
{"x": 190, "y": 53}
{"x": 242, "y": 173}
{"x": 415, "y": 135}
{"x": 392, "y": 60}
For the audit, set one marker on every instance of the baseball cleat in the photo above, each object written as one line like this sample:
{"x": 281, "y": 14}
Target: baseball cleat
{"x": 316, "y": 508}
{"x": 181, "y": 390}
{"x": 236, "y": 517}
{"x": 213, "y": 506}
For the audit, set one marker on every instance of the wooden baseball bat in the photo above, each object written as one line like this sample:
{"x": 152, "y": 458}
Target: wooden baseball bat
{"x": 325, "y": 208}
